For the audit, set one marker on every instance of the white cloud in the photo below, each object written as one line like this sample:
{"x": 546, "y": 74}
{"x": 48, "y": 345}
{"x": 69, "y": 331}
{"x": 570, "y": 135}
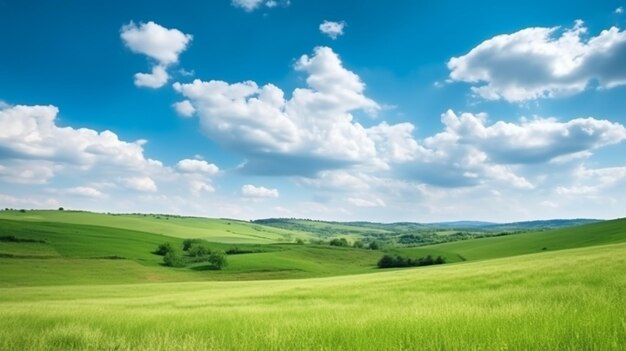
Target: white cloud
{"x": 619, "y": 10}
{"x": 593, "y": 182}
{"x": 156, "y": 79}
{"x": 315, "y": 125}
{"x": 30, "y": 133}
{"x": 367, "y": 202}
{"x": 541, "y": 62}
{"x": 184, "y": 108}
{"x": 143, "y": 184}
{"x": 470, "y": 152}
{"x": 158, "y": 43}
{"x": 531, "y": 141}
{"x": 84, "y": 191}
{"x": 197, "y": 166}
{"x": 248, "y": 5}
{"x": 198, "y": 186}
{"x": 25, "y": 171}
{"x": 155, "y": 41}
{"x": 332, "y": 29}
{"x": 251, "y": 5}
{"x": 252, "y": 191}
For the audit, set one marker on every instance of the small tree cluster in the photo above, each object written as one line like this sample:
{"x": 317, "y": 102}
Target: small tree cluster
{"x": 218, "y": 260}
{"x": 174, "y": 259}
{"x": 195, "y": 251}
{"x": 339, "y": 242}
{"x": 388, "y": 261}
{"x": 164, "y": 249}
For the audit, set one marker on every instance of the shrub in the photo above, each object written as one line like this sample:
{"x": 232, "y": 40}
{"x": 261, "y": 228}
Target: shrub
{"x": 299, "y": 241}
{"x": 164, "y": 249}
{"x": 218, "y": 260}
{"x": 358, "y": 244}
{"x": 174, "y": 259}
{"x": 199, "y": 250}
{"x": 374, "y": 246}
{"x": 237, "y": 251}
{"x": 339, "y": 242}
{"x": 187, "y": 243}
{"x": 388, "y": 261}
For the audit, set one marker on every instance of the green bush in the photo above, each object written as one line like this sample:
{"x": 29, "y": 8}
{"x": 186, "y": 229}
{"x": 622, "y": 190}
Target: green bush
{"x": 388, "y": 261}
{"x": 199, "y": 250}
{"x": 187, "y": 243}
{"x": 174, "y": 259}
{"x": 164, "y": 249}
{"x": 374, "y": 245}
{"x": 218, "y": 260}
{"x": 339, "y": 242}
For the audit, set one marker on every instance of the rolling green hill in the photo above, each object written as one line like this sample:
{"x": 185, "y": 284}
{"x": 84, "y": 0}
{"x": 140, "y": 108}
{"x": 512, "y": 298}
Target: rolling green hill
{"x": 71, "y": 253}
{"x": 562, "y": 300}
{"x": 606, "y": 232}
{"x": 219, "y": 230}
{"x": 62, "y": 253}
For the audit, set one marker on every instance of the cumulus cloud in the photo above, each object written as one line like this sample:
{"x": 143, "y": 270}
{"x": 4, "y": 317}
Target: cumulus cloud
{"x": 367, "y": 202}
{"x": 593, "y": 182}
{"x": 251, "y": 5}
{"x": 34, "y": 150}
{"x": 161, "y": 44}
{"x": 469, "y": 151}
{"x": 531, "y": 141}
{"x": 30, "y": 133}
{"x": 184, "y": 108}
{"x": 156, "y": 79}
{"x": 542, "y": 62}
{"x": 143, "y": 184}
{"x": 619, "y": 10}
{"x": 252, "y": 191}
{"x": 84, "y": 191}
{"x": 197, "y": 166}
{"x": 332, "y": 29}
{"x": 313, "y": 130}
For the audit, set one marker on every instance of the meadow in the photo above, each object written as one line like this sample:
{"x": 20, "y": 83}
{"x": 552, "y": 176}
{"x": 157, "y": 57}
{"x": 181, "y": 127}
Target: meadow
{"x": 565, "y": 300}
{"x": 79, "y": 286}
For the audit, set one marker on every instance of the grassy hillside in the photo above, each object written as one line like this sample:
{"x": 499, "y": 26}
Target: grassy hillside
{"x": 219, "y": 230}
{"x": 563, "y": 300}
{"x": 503, "y": 246}
{"x": 62, "y": 253}
{"x": 84, "y": 254}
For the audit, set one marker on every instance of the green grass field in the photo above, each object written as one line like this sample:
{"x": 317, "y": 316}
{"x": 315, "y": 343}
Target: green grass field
{"x": 503, "y": 246}
{"x": 222, "y": 230}
{"x": 83, "y": 285}
{"x": 565, "y": 300}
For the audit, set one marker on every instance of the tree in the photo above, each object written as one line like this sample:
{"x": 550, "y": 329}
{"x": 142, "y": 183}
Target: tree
{"x": 339, "y": 242}
{"x": 174, "y": 259}
{"x": 218, "y": 259}
{"x": 164, "y": 249}
{"x": 199, "y": 250}
{"x": 61, "y": 208}
{"x": 187, "y": 243}
{"x": 374, "y": 246}
{"x": 386, "y": 261}
{"x": 358, "y": 244}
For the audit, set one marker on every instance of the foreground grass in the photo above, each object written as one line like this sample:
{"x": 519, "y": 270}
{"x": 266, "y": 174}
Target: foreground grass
{"x": 565, "y": 300}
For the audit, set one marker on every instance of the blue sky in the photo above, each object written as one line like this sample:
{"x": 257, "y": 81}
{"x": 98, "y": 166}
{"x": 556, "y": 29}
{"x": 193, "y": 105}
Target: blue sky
{"x": 380, "y": 111}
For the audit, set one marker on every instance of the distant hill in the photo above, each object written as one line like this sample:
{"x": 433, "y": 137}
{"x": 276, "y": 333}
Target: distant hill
{"x": 416, "y": 233}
